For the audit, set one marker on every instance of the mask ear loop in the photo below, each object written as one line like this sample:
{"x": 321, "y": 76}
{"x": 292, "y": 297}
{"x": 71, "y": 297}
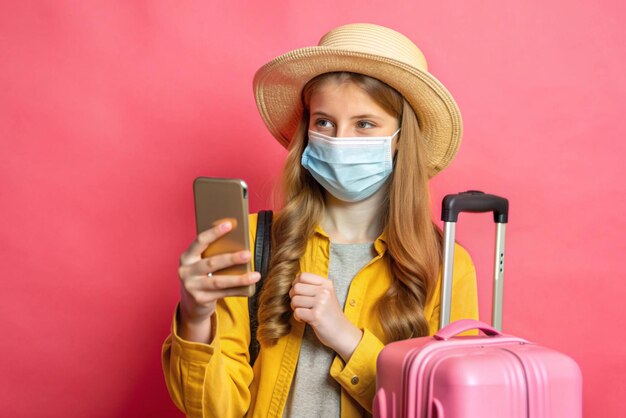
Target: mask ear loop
{"x": 395, "y": 154}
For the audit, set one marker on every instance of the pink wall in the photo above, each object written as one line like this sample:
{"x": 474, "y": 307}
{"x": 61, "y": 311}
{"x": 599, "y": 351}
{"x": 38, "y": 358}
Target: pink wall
{"x": 108, "y": 110}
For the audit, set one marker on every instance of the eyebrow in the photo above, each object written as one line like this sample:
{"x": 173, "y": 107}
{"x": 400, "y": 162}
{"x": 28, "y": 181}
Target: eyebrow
{"x": 364, "y": 116}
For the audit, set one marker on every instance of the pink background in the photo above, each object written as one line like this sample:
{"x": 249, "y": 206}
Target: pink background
{"x": 108, "y": 110}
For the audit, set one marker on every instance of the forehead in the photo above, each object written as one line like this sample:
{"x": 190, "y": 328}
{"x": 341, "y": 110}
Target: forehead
{"x": 342, "y": 96}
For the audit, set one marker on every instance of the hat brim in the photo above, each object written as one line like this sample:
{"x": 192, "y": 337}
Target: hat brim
{"x": 278, "y": 88}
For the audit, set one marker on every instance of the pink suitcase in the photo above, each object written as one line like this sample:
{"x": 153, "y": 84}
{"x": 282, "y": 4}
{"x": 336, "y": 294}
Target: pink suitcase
{"x": 487, "y": 376}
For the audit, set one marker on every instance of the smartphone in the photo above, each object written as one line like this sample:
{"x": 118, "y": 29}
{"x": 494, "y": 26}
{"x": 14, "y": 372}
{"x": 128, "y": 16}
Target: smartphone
{"x": 217, "y": 200}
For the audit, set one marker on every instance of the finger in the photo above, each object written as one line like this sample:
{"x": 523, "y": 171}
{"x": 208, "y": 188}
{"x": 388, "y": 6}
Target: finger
{"x": 202, "y": 241}
{"x": 214, "y": 295}
{"x": 303, "y": 315}
{"x": 302, "y": 302}
{"x": 235, "y": 291}
{"x": 303, "y": 289}
{"x": 310, "y": 278}
{"x": 227, "y": 282}
{"x": 218, "y": 262}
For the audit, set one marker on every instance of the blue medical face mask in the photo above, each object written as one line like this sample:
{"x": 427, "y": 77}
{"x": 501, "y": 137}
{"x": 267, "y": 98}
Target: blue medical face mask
{"x": 350, "y": 168}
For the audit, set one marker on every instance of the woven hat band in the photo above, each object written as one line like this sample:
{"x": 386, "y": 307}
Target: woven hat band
{"x": 376, "y": 40}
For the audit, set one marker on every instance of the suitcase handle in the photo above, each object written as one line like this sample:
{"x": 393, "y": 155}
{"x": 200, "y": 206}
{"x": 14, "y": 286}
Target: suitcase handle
{"x": 463, "y": 325}
{"x": 474, "y": 201}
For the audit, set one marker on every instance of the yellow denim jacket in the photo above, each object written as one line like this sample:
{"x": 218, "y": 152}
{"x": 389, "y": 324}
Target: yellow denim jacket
{"x": 216, "y": 380}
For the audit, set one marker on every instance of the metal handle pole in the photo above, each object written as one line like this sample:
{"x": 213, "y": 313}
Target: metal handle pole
{"x": 498, "y": 274}
{"x": 449, "y": 229}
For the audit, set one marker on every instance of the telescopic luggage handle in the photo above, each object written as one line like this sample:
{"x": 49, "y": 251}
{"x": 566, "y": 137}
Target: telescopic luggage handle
{"x": 473, "y": 201}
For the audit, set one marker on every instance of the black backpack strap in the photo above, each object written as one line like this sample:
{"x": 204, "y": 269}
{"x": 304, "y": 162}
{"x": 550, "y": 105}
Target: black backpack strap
{"x": 262, "y": 254}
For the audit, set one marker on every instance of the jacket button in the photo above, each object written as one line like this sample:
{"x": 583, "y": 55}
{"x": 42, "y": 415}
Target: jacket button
{"x": 352, "y": 303}
{"x": 354, "y": 380}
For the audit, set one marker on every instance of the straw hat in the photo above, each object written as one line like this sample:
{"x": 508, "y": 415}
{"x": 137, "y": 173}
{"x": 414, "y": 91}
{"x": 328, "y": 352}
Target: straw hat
{"x": 375, "y": 51}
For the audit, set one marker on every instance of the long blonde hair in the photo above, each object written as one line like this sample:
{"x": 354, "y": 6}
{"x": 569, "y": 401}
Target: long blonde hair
{"x": 413, "y": 241}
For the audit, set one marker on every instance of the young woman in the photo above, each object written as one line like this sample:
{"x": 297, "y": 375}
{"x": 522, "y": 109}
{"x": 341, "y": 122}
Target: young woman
{"x": 356, "y": 257}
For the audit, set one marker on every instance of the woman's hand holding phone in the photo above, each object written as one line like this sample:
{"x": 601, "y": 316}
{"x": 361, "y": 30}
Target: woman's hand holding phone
{"x": 200, "y": 289}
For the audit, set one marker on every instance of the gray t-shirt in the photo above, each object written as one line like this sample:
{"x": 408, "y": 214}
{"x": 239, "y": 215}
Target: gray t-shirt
{"x": 314, "y": 393}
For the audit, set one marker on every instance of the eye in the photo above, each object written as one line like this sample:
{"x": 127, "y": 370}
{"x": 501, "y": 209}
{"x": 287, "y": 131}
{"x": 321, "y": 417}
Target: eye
{"x": 364, "y": 124}
{"x": 323, "y": 123}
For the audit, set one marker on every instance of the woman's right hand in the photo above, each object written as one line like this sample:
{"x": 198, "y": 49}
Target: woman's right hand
{"x": 200, "y": 291}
